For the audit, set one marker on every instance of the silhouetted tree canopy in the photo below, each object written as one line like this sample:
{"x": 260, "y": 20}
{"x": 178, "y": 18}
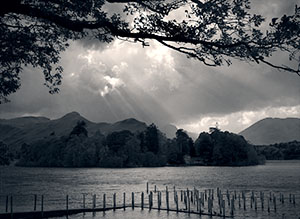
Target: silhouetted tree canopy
{"x": 116, "y": 140}
{"x": 5, "y": 155}
{"x": 184, "y": 143}
{"x": 225, "y": 148}
{"x": 280, "y": 151}
{"x": 79, "y": 129}
{"x": 151, "y": 138}
{"x": 148, "y": 148}
{"x": 34, "y": 32}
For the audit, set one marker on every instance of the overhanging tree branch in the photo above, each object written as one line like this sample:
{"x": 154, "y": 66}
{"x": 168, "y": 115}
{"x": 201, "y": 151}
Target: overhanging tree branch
{"x": 210, "y": 31}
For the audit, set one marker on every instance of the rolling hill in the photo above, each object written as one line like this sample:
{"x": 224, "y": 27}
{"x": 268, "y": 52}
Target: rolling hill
{"x": 273, "y": 130}
{"x": 17, "y": 131}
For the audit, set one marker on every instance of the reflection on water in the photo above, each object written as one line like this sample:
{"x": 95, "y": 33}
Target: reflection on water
{"x": 55, "y": 183}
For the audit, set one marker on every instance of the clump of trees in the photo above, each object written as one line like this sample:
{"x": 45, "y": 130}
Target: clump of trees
{"x": 117, "y": 149}
{"x": 5, "y": 155}
{"x": 280, "y": 151}
{"x": 149, "y": 148}
{"x": 225, "y": 149}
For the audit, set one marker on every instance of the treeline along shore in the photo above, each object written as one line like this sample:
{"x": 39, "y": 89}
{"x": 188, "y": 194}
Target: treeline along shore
{"x": 148, "y": 148}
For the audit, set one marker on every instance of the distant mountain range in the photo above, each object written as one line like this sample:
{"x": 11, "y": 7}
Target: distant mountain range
{"x": 17, "y": 131}
{"x": 273, "y": 130}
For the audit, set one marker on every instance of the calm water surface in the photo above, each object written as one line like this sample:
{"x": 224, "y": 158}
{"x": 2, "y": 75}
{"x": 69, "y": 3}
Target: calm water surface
{"x": 54, "y": 183}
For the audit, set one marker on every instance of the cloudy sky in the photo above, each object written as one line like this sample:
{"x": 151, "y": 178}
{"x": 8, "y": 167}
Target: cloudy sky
{"x": 110, "y": 82}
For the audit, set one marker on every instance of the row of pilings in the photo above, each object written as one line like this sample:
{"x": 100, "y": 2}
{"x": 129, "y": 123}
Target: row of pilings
{"x": 212, "y": 202}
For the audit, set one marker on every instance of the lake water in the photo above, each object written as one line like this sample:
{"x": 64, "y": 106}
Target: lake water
{"x": 55, "y": 183}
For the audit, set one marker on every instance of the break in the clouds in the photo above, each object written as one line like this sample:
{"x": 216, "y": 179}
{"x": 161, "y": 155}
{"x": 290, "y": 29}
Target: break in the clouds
{"x": 109, "y": 82}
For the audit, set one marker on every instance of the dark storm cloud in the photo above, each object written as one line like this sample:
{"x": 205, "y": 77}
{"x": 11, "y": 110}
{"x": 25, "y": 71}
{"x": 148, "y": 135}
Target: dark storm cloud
{"x": 232, "y": 89}
{"x": 109, "y": 82}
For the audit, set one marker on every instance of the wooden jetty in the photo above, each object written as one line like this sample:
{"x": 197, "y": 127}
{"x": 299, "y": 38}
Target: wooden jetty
{"x": 211, "y": 202}
{"x": 53, "y": 213}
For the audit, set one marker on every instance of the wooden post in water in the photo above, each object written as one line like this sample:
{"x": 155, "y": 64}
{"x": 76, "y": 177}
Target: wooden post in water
{"x": 223, "y": 206}
{"x": 67, "y": 204}
{"x": 274, "y": 202}
{"x": 220, "y": 204}
{"x": 210, "y": 206}
{"x": 158, "y": 200}
{"x": 142, "y": 200}
{"x": 104, "y": 202}
{"x": 199, "y": 205}
{"x": 132, "y": 200}
{"x": 280, "y": 197}
{"x": 34, "y": 203}
{"x": 290, "y": 197}
{"x": 42, "y": 206}
{"x": 181, "y": 196}
{"x": 262, "y": 201}
{"x": 294, "y": 199}
{"x": 244, "y": 197}
{"x": 232, "y": 206}
{"x": 6, "y": 208}
{"x": 255, "y": 203}
{"x": 94, "y": 201}
{"x": 83, "y": 200}
{"x": 197, "y": 202}
{"x": 124, "y": 201}
{"x": 188, "y": 201}
{"x": 11, "y": 207}
{"x": 155, "y": 188}
{"x": 228, "y": 197}
{"x": 167, "y": 200}
{"x": 151, "y": 193}
{"x": 174, "y": 193}
{"x": 147, "y": 188}
{"x": 114, "y": 201}
{"x": 176, "y": 201}
{"x": 150, "y": 204}
{"x": 184, "y": 199}
{"x": 268, "y": 205}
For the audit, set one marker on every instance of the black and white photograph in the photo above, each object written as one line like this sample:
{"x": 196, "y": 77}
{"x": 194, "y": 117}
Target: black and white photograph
{"x": 150, "y": 109}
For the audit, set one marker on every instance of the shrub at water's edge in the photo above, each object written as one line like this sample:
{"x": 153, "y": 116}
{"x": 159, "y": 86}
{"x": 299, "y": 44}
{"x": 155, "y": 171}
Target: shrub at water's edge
{"x": 149, "y": 148}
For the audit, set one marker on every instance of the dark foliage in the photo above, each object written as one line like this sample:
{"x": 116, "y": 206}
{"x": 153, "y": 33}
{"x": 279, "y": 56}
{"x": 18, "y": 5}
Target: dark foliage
{"x": 224, "y": 148}
{"x": 280, "y": 151}
{"x": 151, "y": 138}
{"x": 79, "y": 129}
{"x": 126, "y": 149}
{"x": 5, "y": 155}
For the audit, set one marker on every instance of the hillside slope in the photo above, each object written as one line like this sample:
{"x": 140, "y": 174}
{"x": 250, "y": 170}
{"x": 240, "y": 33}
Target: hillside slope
{"x": 17, "y": 131}
{"x": 273, "y": 130}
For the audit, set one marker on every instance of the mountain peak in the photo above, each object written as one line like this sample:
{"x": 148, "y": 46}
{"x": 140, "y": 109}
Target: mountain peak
{"x": 273, "y": 130}
{"x": 129, "y": 121}
{"x": 72, "y": 114}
